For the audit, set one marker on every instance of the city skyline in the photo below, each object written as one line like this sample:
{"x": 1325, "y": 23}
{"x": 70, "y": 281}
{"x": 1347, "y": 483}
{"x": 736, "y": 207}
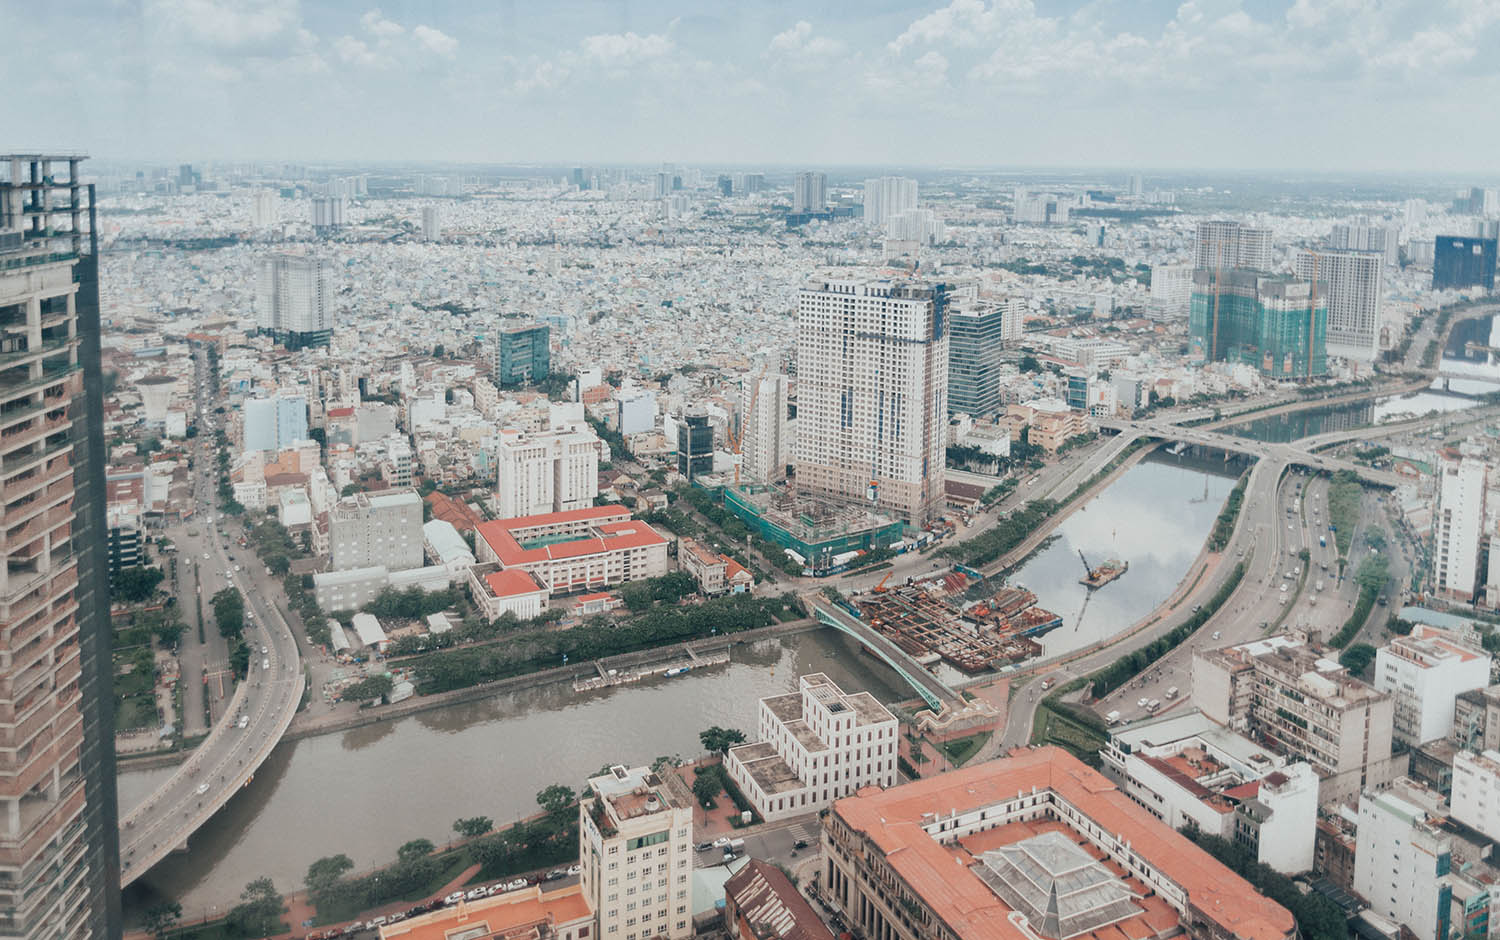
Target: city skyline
{"x": 1006, "y": 84}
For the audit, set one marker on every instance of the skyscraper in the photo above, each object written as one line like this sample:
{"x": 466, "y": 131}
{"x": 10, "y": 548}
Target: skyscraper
{"x": 522, "y": 354}
{"x": 1459, "y": 262}
{"x": 59, "y": 845}
{"x": 263, "y": 208}
{"x": 809, "y": 192}
{"x": 1275, "y": 323}
{"x": 546, "y": 471}
{"x": 977, "y": 328}
{"x": 1457, "y": 527}
{"x": 1354, "y": 284}
{"x": 765, "y": 431}
{"x": 328, "y": 213}
{"x": 1361, "y": 235}
{"x": 888, "y": 196}
{"x": 291, "y": 300}
{"x": 1227, "y": 244}
{"x": 872, "y": 393}
{"x": 432, "y": 224}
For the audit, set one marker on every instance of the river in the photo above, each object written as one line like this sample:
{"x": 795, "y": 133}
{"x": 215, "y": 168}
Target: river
{"x": 366, "y": 791}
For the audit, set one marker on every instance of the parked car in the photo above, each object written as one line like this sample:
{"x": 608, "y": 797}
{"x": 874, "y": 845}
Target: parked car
{"x": 704, "y": 846}
{"x": 516, "y": 885}
{"x": 476, "y": 893}
{"x": 800, "y": 844}
{"x": 556, "y": 874}
{"x": 720, "y": 842}
{"x": 575, "y": 869}
{"x": 454, "y": 898}
{"x": 374, "y": 922}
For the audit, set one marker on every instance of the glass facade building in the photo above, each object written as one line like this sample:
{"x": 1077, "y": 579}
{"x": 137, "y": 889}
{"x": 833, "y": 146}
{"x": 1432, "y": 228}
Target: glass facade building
{"x": 1461, "y": 261}
{"x": 1274, "y": 323}
{"x": 976, "y": 335}
{"x": 522, "y": 354}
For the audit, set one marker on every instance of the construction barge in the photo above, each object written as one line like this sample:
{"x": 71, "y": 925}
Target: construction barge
{"x": 928, "y": 620}
{"x": 1095, "y": 577}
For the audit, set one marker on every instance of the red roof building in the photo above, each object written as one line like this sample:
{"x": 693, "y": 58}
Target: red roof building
{"x": 578, "y": 550}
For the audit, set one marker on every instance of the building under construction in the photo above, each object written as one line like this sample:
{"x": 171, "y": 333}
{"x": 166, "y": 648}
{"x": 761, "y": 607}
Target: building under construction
{"x": 1276, "y": 323}
{"x": 929, "y": 621}
{"x": 818, "y": 530}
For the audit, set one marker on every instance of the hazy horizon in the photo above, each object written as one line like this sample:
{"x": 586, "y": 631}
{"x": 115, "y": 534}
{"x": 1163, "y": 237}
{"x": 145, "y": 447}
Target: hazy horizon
{"x": 1354, "y": 86}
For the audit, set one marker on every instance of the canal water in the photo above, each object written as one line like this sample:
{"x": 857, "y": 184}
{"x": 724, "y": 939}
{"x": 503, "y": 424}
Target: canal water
{"x": 1156, "y": 517}
{"x": 366, "y": 791}
{"x": 1471, "y": 363}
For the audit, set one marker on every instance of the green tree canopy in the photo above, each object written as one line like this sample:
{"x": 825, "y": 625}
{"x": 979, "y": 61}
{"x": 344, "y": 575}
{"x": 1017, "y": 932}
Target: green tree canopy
{"x": 471, "y": 826}
{"x": 720, "y": 740}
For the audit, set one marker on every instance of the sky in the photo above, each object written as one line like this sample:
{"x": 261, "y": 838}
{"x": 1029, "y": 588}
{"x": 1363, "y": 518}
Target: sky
{"x": 1332, "y": 85}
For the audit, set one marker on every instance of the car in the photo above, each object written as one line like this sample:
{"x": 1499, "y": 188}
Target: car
{"x": 800, "y": 844}
{"x": 236, "y": 567}
{"x": 556, "y": 874}
{"x": 1141, "y": 702}
{"x": 703, "y": 846}
{"x": 515, "y": 885}
{"x": 720, "y": 842}
{"x": 374, "y": 922}
{"x": 475, "y": 894}
{"x": 574, "y": 869}
{"x": 398, "y": 916}
{"x": 265, "y": 664}
{"x": 202, "y": 789}
{"x": 244, "y": 720}
{"x": 454, "y": 898}
{"x": 353, "y": 928}
{"x": 1217, "y": 634}
{"x": 207, "y": 556}
{"x": 265, "y": 650}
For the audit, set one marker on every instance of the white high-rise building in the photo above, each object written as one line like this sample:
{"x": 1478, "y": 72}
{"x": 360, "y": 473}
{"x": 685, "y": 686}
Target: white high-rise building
{"x": 546, "y": 471}
{"x": 1361, "y": 235}
{"x": 1423, "y": 673}
{"x": 1400, "y": 859}
{"x": 1136, "y": 185}
{"x": 809, "y": 192}
{"x": 872, "y": 380}
{"x": 1228, "y": 245}
{"x": 1457, "y": 525}
{"x": 274, "y": 423}
{"x": 1354, "y": 281}
{"x": 381, "y": 529}
{"x": 635, "y": 852}
{"x": 263, "y": 209}
{"x": 1476, "y": 791}
{"x": 888, "y": 196}
{"x": 292, "y": 300}
{"x": 1171, "y": 291}
{"x": 765, "y": 430}
{"x": 915, "y": 225}
{"x": 432, "y": 224}
{"x": 328, "y": 213}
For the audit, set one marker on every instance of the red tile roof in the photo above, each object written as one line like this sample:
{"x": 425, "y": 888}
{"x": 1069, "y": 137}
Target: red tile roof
{"x": 939, "y": 873}
{"x": 618, "y": 535}
{"x": 512, "y": 582}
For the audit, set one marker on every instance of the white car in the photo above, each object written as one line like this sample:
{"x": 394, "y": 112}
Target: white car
{"x": 721, "y": 842}
{"x": 244, "y": 721}
{"x": 475, "y": 893}
{"x": 265, "y": 651}
{"x": 574, "y": 869}
{"x": 454, "y": 898}
{"x": 515, "y": 885}
{"x": 202, "y": 789}
{"x": 207, "y": 557}
{"x": 265, "y": 664}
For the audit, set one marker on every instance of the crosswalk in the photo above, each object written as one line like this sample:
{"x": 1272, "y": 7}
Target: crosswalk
{"x": 807, "y": 831}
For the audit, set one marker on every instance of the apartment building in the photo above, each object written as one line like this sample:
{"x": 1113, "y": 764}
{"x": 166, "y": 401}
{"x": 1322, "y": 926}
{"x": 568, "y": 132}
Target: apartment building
{"x": 274, "y": 423}
{"x": 1476, "y": 719}
{"x": 383, "y": 528}
{"x": 1354, "y": 281}
{"x": 546, "y": 471}
{"x": 292, "y": 300}
{"x": 1475, "y": 798}
{"x": 1400, "y": 860}
{"x": 815, "y": 745}
{"x": 765, "y": 429}
{"x": 887, "y": 197}
{"x": 59, "y": 836}
{"x": 872, "y": 386}
{"x": 567, "y": 552}
{"x": 1458, "y": 525}
{"x": 1276, "y": 324}
{"x": 1226, "y": 244}
{"x": 1031, "y": 845}
{"x": 1424, "y": 673}
{"x": 636, "y": 855}
{"x": 1293, "y": 696}
{"x": 1191, "y": 772}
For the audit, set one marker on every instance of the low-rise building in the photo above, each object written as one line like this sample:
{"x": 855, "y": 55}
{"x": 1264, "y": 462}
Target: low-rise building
{"x": 1191, "y": 772}
{"x": 349, "y": 589}
{"x": 1476, "y": 791}
{"x": 532, "y": 912}
{"x": 761, "y": 903}
{"x": 580, "y": 550}
{"x": 636, "y": 854}
{"x": 816, "y": 745}
{"x": 498, "y": 591}
{"x": 1031, "y": 845}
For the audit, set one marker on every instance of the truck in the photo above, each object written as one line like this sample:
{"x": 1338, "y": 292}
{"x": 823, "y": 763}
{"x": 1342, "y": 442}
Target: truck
{"x": 1153, "y": 705}
{"x": 1113, "y": 718}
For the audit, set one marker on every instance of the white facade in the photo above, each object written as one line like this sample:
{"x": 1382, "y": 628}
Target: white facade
{"x": 887, "y": 197}
{"x": 872, "y": 381}
{"x": 292, "y": 295}
{"x": 546, "y": 471}
{"x": 809, "y": 192}
{"x": 816, "y": 745}
{"x": 1424, "y": 673}
{"x": 637, "y": 412}
{"x": 263, "y": 209}
{"x": 1399, "y": 861}
{"x": 636, "y": 856}
{"x": 915, "y": 225}
{"x": 432, "y": 224}
{"x": 274, "y": 423}
{"x": 385, "y": 529}
{"x": 1457, "y": 525}
{"x": 765, "y": 430}
{"x": 1225, "y": 245}
{"x": 1355, "y": 284}
{"x": 1281, "y": 819}
{"x": 1476, "y": 791}
{"x": 1171, "y": 291}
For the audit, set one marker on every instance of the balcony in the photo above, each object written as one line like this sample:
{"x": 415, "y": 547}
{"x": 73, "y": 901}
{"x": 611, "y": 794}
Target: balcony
{"x": 11, "y": 440}
{"x": 17, "y": 463}
{"x": 36, "y": 525}
{"x": 44, "y": 348}
{"x": 14, "y": 416}
{"x": 50, "y": 376}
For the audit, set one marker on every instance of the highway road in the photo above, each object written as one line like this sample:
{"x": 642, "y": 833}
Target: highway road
{"x": 257, "y": 716}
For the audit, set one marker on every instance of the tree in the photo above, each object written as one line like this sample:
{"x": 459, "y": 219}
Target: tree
{"x": 413, "y": 850}
{"x": 366, "y": 689}
{"x": 1029, "y": 363}
{"x": 134, "y": 585}
{"x": 473, "y": 826}
{"x": 706, "y": 787}
{"x": 161, "y": 918}
{"x": 720, "y": 740}
{"x": 259, "y": 914}
{"x": 326, "y": 872}
{"x": 1357, "y": 657}
{"x": 555, "y": 799}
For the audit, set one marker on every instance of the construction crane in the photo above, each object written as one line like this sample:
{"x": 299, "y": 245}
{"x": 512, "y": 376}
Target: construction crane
{"x": 880, "y": 588}
{"x": 1087, "y": 568}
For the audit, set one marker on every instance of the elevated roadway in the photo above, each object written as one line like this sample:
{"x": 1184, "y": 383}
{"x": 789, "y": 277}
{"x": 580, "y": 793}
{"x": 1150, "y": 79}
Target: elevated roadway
{"x": 933, "y": 692}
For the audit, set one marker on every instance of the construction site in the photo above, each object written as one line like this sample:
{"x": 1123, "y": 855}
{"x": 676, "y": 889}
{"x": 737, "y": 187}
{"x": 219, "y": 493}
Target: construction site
{"x": 822, "y": 533}
{"x": 931, "y": 620}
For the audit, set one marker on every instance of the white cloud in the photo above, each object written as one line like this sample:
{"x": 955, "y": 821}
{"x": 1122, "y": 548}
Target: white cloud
{"x": 620, "y": 50}
{"x": 227, "y": 24}
{"x": 435, "y": 41}
{"x": 376, "y": 24}
{"x": 799, "y": 41}
{"x": 356, "y": 52}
